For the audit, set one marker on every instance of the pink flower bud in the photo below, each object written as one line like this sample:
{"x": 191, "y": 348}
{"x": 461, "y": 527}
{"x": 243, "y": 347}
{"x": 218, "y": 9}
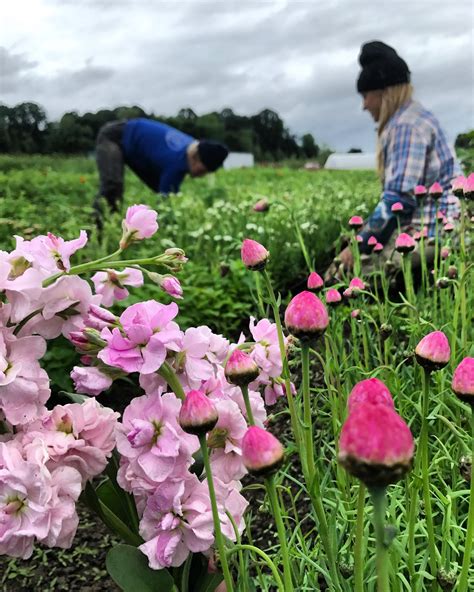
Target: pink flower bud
{"x": 306, "y": 316}
{"x": 376, "y": 445}
{"x": 333, "y": 297}
{"x": 262, "y": 205}
{"x": 356, "y": 222}
{"x": 171, "y": 286}
{"x": 404, "y": 243}
{"x": 240, "y": 368}
{"x": 315, "y": 282}
{"x": 448, "y": 227}
{"x": 139, "y": 223}
{"x": 254, "y": 255}
{"x": 378, "y": 248}
{"x": 359, "y": 239}
{"x": 198, "y": 414}
{"x": 463, "y": 381}
{"x": 469, "y": 187}
{"x": 370, "y": 391}
{"x": 397, "y": 207}
{"x": 420, "y": 191}
{"x": 457, "y": 186}
{"x": 372, "y": 241}
{"x": 436, "y": 191}
{"x": 99, "y": 318}
{"x": 356, "y": 284}
{"x": 355, "y": 313}
{"x": 445, "y": 252}
{"x": 452, "y": 272}
{"x": 262, "y": 453}
{"x": 433, "y": 351}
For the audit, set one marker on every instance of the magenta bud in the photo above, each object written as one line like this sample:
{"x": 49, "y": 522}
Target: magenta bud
{"x": 457, "y": 186}
{"x": 241, "y": 368}
{"x": 356, "y": 222}
{"x": 420, "y": 191}
{"x": 433, "y": 351}
{"x": 404, "y": 243}
{"x": 463, "y": 381}
{"x": 254, "y": 255}
{"x": 262, "y": 205}
{"x": 378, "y": 248}
{"x": 306, "y": 316}
{"x": 198, "y": 414}
{"x": 262, "y": 453}
{"x": 376, "y": 445}
{"x": 370, "y": 391}
{"x": 397, "y": 207}
{"x": 372, "y": 241}
{"x": 448, "y": 227}
{"x": 333, "y": 297}
{"x": 436, "y": 191}
{"x": 468, "y": 190}
{"x": 315, "y": 282}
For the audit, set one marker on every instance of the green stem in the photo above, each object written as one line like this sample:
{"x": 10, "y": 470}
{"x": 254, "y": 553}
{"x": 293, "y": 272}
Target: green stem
{"x": 425, "y": 474}
{"x": 248, "y": 408}
{"x": 185, "y": 574}
{"x": 275, "y": 504}
{"x": 258, "y": 287}
{"x": 167, "y": 372}
{"x": 265, "y": 557}
{"x": 308, "y": 420}
{"x": 359, "y": 541}
{"x": 378, "y": 495}
{"x": 215, "y": 516}
{"x": 467, "y": 560}
{"x": 285, "y": 373}
{"x": 243, "y": 575}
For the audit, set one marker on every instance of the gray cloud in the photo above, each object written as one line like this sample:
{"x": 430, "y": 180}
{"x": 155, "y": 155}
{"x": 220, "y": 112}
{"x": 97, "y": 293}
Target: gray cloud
{"x": 299, "y": 58}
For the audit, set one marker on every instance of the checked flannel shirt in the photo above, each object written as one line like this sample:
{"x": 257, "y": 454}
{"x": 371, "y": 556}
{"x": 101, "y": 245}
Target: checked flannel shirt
{"x": 416, "y": 152}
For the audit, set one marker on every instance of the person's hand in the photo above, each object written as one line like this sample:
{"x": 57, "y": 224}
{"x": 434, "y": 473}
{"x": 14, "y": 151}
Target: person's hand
{"x": 347, "y": 259}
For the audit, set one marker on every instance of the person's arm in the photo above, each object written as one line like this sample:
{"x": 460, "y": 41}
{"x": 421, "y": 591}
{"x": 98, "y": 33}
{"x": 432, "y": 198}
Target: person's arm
{"x": 405, "y": 159}
{"x": 170, "y": 181}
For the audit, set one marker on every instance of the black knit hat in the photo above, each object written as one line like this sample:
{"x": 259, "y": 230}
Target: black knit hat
{"x": 212, "y": 154}
{"x": 381, "y": 67}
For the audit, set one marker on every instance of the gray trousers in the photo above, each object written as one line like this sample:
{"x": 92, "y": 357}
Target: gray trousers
{"x": 110, "y": 162}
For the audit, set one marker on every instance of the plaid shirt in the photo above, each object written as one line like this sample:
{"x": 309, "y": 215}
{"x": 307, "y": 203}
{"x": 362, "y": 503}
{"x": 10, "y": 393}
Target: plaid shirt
{"x": 415, "y": 152}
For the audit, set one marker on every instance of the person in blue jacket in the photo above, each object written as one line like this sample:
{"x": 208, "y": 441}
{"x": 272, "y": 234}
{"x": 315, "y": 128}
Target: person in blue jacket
{"x": 157, "y": 153}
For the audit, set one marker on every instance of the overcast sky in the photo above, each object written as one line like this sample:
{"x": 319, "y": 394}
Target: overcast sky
{"x": 296, "y": 57}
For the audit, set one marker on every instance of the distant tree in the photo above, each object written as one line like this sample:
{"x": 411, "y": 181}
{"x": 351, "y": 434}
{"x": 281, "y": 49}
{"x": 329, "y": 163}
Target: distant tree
{"x": 465, "y": 140}
{"x": 309, "y": 146}
{"x": 70, "y": 135}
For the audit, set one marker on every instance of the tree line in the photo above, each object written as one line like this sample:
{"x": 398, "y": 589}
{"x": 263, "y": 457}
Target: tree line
{"x": 24, "y": 128}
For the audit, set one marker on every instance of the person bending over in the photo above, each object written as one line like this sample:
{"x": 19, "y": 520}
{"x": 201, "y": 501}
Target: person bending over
{"x": 157, "y": 153}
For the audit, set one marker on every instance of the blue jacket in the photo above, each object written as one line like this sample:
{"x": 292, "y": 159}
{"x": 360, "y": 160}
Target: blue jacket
{"x": 156, "y": 153}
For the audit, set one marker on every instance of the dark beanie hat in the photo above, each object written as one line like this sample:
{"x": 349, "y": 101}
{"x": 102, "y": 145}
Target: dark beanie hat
{"x": 212, "y": 154}
{"x": 381, "y": 67}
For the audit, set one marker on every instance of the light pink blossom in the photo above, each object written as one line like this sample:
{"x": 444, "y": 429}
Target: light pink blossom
{"x": 110, "y": 284}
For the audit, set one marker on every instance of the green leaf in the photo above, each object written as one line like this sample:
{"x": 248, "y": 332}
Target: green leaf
{"x": 75, "y": 398}
{"x": 110, "y": 497}
{"x": 129, "y": 569}
{"x": 209, "y": 582}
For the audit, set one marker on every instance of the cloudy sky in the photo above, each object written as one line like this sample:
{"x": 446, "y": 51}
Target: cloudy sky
{"x": 296, "y": 57}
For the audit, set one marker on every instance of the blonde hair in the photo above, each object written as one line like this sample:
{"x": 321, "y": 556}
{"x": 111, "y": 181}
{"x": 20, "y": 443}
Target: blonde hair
{"x": 393, "y": 98}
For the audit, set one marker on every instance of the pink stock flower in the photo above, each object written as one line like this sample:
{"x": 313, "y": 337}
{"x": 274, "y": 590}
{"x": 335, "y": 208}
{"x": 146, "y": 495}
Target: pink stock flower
{"x": 315, "y": 282}
{"x": 191, "y": 361}
{"x": 153, "y": 446}
{"x": 147, "y": 332}
{"x": 99, "y": 318}
{"x": 229, "y": 499}
{"x": 404, "y": 243}
{"x": 356, "y": 222}
{"x": 177, "y": 520}
{"x": 171, "y": 286}
{"x": 140, "y": 222}
{"x": 35, "y": 504}
{"x": 62, "y": 250}
{"x": 266, "y": 351}
{"x": 241, "y": 368}
{"x": 198, "y": 414}
{"x": 433, "y": 351}
{"x": 90, "y": 380}
{"x": 110, "y": 283}
{"x": 370, "y": 391}
{"x": 397, "y": 207}
{"x": 24, "y": 385}
{"x": 435, "y": 191}
{"x": 306, "y": 316}
{"x": 225, "y": 442}
{"x": 254, "y": 255}
{"x": 418, "y": 235}
{"x": 333, "y": 297}
{"x": 376, "y": 445}
{"x": 463, "y": 380}
{"x": 262, "y": 452}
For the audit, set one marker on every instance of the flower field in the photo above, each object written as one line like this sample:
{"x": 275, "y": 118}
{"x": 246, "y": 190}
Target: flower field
{"x": 234, "y": 423}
